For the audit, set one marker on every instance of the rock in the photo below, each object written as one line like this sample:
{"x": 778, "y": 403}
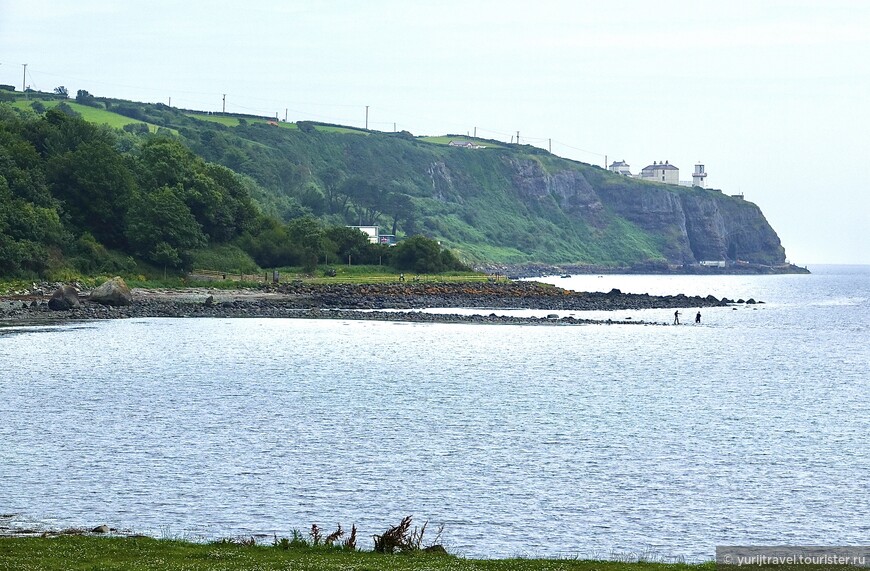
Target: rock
{"x": 101, "y": 529}
{"x": 113, "y": 292}
{"x": 552, "y": 316}
{"x": 437, "y": 548}
{"x": 209, "y": 301}
{"x": 64, "y": 298}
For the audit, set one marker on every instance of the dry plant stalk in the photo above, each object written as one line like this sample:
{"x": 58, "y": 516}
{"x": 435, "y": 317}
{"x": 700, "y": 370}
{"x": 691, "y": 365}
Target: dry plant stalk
{"x": 334, "y": 536}
{"x": 350, "y": 542}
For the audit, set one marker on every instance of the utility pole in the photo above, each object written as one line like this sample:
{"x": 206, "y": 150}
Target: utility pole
{"x": 518, "y": 137}
{"x": 224, "y": 106}
{"x": 367, "y": 117}
{"x": 24, "y": 81}
{"x": 170, "y": 102}
{"x": 605, "y": 161}
{"x": 550, "y": 146}
{"x": 394, "y": 127}
{"x": 475, "y": 132}
{"x": 285, "y": 114}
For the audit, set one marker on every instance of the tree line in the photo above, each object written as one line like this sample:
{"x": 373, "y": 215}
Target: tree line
{"x": 83, "y": 197}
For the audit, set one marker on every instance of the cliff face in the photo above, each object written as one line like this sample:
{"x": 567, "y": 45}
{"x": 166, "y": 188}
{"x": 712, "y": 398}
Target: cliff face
{"x": 674, "y": 224}
{"x": 508, "y": 205}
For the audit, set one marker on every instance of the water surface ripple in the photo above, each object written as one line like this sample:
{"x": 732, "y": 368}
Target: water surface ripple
{"x": 751, "y": 428}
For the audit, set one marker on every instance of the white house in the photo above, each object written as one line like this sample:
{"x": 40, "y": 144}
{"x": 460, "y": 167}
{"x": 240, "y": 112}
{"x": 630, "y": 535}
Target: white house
{"x": 465, "y": 145}
{"x": 620, "y": 167}
{"x": 661, "y": 172}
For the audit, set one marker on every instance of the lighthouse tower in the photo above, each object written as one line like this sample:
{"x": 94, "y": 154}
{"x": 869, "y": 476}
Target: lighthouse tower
{"x": 699, "y": 175}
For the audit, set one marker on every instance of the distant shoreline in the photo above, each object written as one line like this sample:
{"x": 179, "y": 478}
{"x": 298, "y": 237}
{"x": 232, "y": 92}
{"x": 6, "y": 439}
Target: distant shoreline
{"x": 375, "y": 302}
{"x": 535, "y": 270}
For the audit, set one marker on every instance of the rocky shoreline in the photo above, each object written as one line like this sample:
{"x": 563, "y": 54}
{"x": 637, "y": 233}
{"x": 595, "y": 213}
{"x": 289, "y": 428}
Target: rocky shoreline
{"x": 378, "y": 302}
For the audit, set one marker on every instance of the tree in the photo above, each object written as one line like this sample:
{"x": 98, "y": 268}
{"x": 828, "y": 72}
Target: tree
{"x": 307, "y": 235}
{"x": 85, "y": 98}
{"x": 95, "y": 186}
{"x": 350, "y": 242}
{"x": 400, "y": 207}
{"x": 161, "y": 228}
{"x": 419, "y": 254}
{"x": 62, "y": 91}
{"x": 332, "y": 179}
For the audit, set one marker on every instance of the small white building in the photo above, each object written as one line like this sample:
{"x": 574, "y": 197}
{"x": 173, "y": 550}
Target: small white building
{"x": 661, "y": 172}
{"x": 620, "y": 167}
{"x": 465, "y": 145}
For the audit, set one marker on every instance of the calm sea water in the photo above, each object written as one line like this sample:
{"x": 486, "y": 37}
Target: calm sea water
{"x": 751, "y": 428}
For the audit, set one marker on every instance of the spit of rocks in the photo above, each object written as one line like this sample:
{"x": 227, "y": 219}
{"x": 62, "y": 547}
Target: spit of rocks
{"x": 380, "y": 302}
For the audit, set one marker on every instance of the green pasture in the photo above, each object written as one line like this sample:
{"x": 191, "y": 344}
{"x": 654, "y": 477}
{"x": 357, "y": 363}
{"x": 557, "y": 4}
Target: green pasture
{"x": 90, "y": 114}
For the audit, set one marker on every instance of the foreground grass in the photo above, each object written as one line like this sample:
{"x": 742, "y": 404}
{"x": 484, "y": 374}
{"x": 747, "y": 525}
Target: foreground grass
{"x": 106, "y": 553}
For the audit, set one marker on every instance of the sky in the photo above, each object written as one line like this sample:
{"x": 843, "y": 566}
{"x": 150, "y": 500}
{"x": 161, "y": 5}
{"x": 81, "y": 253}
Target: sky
{"x": 772, "y": 96}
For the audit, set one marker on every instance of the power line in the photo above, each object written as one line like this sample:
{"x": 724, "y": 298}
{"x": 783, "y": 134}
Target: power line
{"x": 336, "y": 119}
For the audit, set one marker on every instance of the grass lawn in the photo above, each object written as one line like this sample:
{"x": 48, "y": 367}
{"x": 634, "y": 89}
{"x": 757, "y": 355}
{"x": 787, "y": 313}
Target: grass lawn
{"x": 446, "y": 141}
{"x": 90, "y": 114}
{"x": 231, "y": 121}
{"x": 343, "y": 275}
{"x": 70, "y": 553}
{"x": 222, "y": 119}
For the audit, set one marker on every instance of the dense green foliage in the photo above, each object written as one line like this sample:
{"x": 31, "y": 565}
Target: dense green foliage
{"x": 208, "y": 180}
{"x": 77, "y": 191}
{"x": 81, "y": 197}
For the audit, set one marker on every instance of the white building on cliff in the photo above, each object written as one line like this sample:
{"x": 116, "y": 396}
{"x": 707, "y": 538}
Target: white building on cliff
{"x": 662, "y": 172}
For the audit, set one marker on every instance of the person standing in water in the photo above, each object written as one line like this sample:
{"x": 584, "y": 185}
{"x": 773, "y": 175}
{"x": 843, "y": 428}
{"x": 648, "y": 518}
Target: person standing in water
{"x": 698, "y": 318}
{"x": 677, "y": 317}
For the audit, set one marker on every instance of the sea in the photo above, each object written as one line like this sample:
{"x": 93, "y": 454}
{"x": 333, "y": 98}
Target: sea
{"x": 645, "y": 441}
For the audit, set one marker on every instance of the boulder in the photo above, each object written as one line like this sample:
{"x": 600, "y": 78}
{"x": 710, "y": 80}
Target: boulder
{"x": 101, "y": 529}
{"x": 113, "y": 292}
{"x": 64, "y": 298}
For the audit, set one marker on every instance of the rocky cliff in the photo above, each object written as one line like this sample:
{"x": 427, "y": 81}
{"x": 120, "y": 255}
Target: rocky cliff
{"x": 616, "y": 219}
{"x": 505, "y": 204}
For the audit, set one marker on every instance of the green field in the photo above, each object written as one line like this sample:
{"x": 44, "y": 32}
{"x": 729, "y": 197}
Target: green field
{"x": 78, "y": 552}
{"x": 233, "y": 121}
{"x": 226, "y": 120}
{"x": 105, "y": 553}
{"x": 445, "y": 140}
{"x": 90, "y": 114}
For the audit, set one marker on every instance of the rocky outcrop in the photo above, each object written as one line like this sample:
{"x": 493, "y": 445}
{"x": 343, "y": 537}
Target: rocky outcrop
{"x": 112, "y": 292}
{"x": 569, "y": 189}
{"x": 64, "y": 298}
{"x": 684, "y": 225}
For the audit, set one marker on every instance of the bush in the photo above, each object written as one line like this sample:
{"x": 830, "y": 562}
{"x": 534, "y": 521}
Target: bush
{"x": 137, "y": 128}
{"x": 423, "y": 256}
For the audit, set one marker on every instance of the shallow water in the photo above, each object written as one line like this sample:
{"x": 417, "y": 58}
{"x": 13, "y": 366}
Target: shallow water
{"x": 593, "y": 440}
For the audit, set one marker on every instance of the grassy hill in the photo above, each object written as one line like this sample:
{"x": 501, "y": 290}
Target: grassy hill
{"x": 504, "y": 203}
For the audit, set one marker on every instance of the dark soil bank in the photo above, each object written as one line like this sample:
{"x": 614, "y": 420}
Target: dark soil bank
{"x": 343, "y": 301}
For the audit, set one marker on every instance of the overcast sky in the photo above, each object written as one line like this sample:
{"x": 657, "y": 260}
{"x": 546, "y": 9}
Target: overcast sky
{"x": 772, "y": 96}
